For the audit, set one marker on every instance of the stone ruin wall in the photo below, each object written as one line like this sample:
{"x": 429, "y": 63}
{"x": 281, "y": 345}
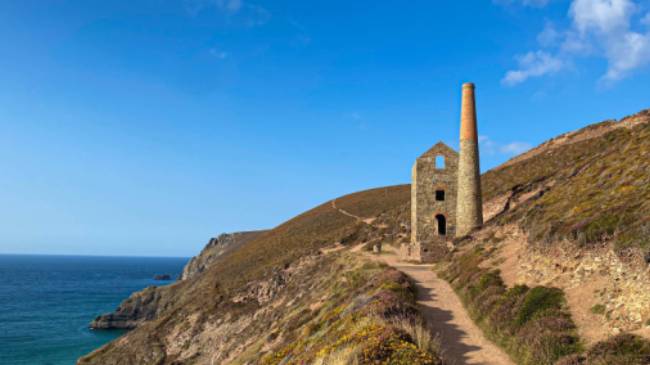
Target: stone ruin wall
{"x": 426, "y": 245}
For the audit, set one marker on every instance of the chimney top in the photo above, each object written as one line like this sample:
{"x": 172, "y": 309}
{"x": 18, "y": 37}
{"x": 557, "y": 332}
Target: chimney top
{"x": 468, "y": 114}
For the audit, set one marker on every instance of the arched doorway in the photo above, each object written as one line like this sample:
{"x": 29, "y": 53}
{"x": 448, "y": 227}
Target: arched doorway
{"x": 442, "y": 225}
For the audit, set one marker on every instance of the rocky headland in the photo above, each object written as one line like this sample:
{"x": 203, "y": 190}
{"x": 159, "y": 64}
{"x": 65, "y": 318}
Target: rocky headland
{"x": 146, "y": 304}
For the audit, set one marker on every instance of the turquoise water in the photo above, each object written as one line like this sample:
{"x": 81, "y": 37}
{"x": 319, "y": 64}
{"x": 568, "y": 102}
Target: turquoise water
{"x": 46, "y": 302}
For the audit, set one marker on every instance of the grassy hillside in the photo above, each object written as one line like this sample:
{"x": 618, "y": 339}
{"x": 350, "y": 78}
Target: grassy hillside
{"x": 201, "y": 305}
{"x": 367, "y": 315}
{"x": 596, "y": 190}
{"x": 335, "y": 309}
{"x": 532, "y": 324}
{"x": 594, "y": 187}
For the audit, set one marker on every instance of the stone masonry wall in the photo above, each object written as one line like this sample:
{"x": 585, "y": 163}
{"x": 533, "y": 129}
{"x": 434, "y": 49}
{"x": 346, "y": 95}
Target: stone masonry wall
{"x": 427, "y": 178}
{"x": 469, "y": 207}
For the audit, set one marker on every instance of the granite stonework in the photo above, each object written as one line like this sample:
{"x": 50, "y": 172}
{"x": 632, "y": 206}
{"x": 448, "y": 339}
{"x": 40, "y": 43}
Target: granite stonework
{"x": 446, "y": 191}
{"x": 433, "y": 203}
{"x": 469, "y": 208}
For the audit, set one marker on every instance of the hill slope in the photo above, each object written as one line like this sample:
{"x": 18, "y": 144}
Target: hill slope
{"x": 586, "y": 191}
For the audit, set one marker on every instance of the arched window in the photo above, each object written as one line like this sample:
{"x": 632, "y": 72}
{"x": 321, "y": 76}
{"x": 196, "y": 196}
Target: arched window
{"x": 442, "y": 225}
{"x": 440, "y": 162}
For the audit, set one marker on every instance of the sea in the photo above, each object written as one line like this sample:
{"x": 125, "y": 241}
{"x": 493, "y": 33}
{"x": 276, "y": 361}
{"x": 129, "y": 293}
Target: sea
{"x": 47, "y": 302}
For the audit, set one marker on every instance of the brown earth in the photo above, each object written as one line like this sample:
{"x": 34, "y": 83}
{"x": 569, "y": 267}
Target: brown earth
{"x": 462, "y": 342}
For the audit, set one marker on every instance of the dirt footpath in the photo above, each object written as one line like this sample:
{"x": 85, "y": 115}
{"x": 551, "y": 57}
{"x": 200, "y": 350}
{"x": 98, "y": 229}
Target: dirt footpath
{"x": 461, "y": 340}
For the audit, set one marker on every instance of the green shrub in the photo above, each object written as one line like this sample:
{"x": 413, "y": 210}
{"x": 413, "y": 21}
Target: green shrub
{"x": 532, "y": 325}
{"x": 536, "y": 301}
{"x": 625, "y": 349}
{"x": 373, "y": 321}
{"x": 598, "y": 309}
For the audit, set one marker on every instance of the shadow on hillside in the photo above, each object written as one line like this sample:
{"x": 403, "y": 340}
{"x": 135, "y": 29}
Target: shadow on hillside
{"x": 455, "y": 351}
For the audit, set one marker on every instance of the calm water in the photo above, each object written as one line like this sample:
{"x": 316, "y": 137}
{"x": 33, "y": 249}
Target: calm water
{"x": 46, "y": 302}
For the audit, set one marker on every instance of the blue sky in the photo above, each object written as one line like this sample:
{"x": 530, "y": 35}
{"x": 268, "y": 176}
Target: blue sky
{"x": 145, "y": 127}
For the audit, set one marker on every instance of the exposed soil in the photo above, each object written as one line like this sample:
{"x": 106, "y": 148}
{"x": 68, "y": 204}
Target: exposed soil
{"x": 514, "y": 263}
{"x": 461, "y": 340}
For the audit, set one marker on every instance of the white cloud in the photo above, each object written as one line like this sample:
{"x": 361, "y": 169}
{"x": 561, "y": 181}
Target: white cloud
{"x": 549, "y": 36}
{"x": 604, "y": 16}
{"x": 608, "y": 24}
{"x": 600, "y": 28}
{"x": 492, "y": 147}
{"x": 627, "y": 53}
{"x": 515, "y": 148}
{"x": 532, "y": 64}
{"x": 574, "y": 43}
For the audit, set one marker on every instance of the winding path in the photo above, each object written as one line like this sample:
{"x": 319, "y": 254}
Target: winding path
{"x": 461, "y": 340}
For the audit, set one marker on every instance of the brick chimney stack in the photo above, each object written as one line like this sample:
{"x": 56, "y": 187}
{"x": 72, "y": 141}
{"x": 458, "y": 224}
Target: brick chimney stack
{"x": 469, "y": 208}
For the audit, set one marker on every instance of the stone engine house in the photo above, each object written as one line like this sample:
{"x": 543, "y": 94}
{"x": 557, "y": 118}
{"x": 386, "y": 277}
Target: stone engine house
{"x": 433, "y": 202}
{"x": 446, "y": 191}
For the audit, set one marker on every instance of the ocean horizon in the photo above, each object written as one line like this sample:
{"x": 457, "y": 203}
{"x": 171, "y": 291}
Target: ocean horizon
{"x": 48, "y": 301}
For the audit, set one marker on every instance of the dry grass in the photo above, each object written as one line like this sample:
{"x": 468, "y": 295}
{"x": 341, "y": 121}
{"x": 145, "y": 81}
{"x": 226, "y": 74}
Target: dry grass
{"x": 422, "y": 336}
{"x": 346, "y": 356}
{"x": 373, "y": 320}
{"x": 601, "y": 191}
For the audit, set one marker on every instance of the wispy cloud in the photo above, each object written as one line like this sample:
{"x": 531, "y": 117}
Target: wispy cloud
{"x": 532, "y": 64}
{"x": 515, "y": 148}
{"x": 215, "y": 52}
{"x": 244, "y": 13}
{"x": 492, "y": 147}
{"x": 549, "y": 36}
{"x": 357, "y": 119}
{"x": 609, "y": 29}
{"x": 646, "y": 20}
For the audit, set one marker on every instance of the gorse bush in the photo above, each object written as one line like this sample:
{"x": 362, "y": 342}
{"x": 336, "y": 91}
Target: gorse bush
{"x": 623, "y": 349}
{"x": 532, "y": 324}
{"x": 370, "y": 317}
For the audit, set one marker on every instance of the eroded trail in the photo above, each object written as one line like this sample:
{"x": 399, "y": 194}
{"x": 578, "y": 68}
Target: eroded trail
{"x": 462, "y": 341}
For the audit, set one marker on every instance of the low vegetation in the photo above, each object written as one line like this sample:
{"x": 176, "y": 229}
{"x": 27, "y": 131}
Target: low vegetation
{"x": 590, "y": 191}
{"x": 598, "y": 309}
{"x": 600, "y": 190}
{"x": 623, "y": 349}
{"x": 532, "y": 325}
{"x": 369, "y": 318}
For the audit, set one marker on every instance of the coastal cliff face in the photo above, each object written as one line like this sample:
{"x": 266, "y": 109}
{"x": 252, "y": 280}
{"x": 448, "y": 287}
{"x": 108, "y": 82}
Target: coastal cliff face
{"x": 289, "y": 296}
{"x": 141, "y": 306}
{"x": 147, "y": 304}
{"x": 216, "y": 247}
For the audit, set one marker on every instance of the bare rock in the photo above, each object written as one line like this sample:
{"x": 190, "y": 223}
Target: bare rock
{"x": 215, "y": 248}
